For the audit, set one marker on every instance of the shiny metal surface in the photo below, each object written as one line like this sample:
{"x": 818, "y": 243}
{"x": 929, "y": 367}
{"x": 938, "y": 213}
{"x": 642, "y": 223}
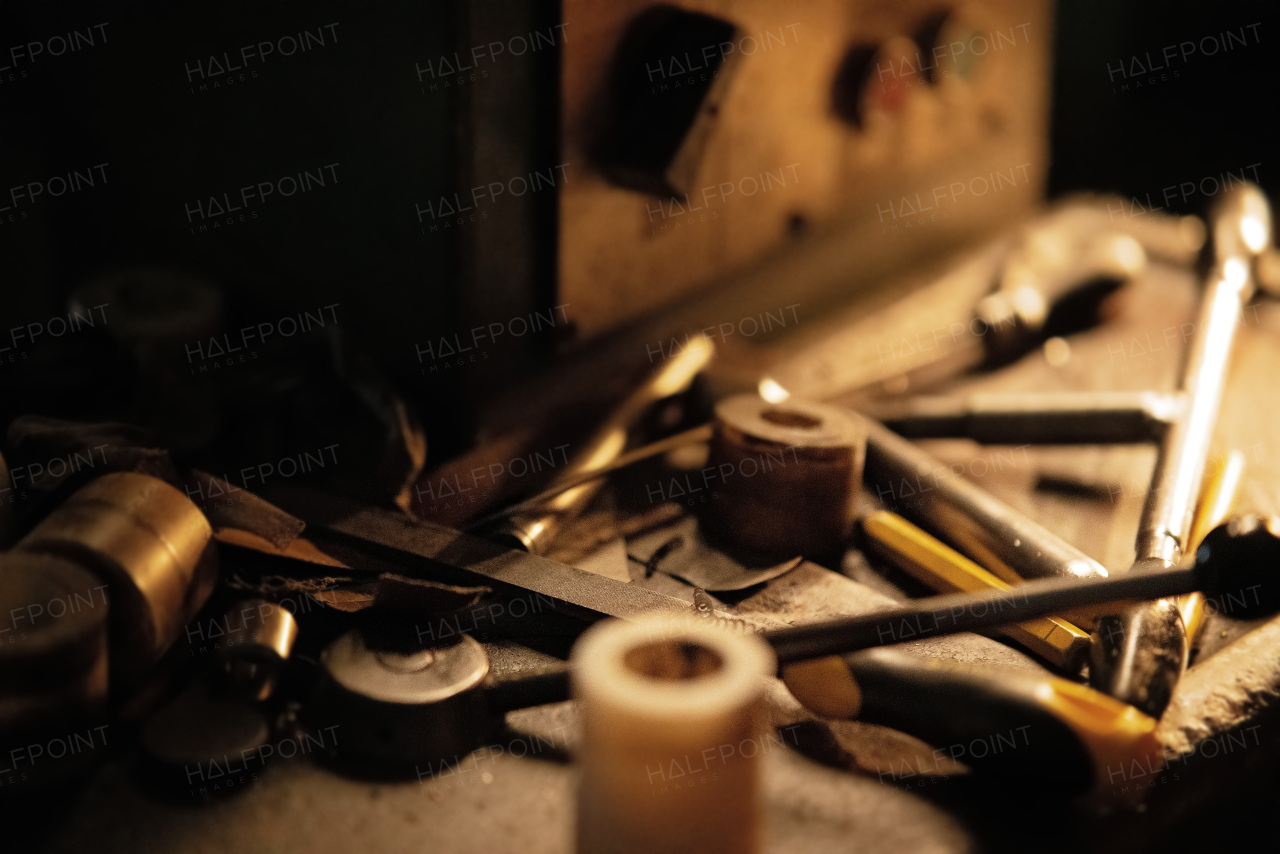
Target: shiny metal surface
{"x": 1141, "y": 654}
{"x": 148, "y": 541}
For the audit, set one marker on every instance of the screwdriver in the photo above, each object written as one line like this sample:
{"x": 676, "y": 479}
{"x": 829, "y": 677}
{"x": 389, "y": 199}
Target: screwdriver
{"x": 1141, "y": 653}
{"x": 1235, "y": 560}
{"x": 947, "y": 571}
{"x": 1018, "y": 725}
{"x": 1055, "y": 639}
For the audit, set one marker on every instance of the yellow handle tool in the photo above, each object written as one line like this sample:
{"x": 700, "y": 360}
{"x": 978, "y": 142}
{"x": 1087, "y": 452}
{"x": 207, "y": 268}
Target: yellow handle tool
{"x": 945, "y": 570}
{"x": 1011, "y": 723}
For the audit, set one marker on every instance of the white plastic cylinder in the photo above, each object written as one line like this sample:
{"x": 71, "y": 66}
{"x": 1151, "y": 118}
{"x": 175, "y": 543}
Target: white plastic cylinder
{"x": 673, "y": 712}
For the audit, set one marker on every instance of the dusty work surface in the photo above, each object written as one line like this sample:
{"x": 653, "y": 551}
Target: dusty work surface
{"x": 844, "y": 786}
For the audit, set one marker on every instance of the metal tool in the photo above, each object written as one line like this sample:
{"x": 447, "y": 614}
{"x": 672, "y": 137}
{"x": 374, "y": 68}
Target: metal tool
{"x": 460, "y": 556}
{"x": 932, "y": 495}
{"x": 1050, "y": 282}
{"x": 945, "y": 570}
{"x": 929, "y": 493}
{"x": 1060, "y": 418}
{"x": 433, "y": 705}
{"x": 444, "y": 552}
{"x": 1055, "y": 639}
{"x": 1072, "y": 724}
{"x": 533, "y": 529}
{"x": 1141, "y": 654}
{"x": 563, "y": 484}
{"x": 1236, "y": 561}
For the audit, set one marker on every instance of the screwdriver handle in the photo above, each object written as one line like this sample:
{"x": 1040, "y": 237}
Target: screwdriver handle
{"x": 1019, "y": 725}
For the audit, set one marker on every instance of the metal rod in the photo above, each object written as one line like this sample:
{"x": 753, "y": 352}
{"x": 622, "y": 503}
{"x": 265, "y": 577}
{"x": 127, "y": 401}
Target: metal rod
{"x": 932, "y": 495}
{"x": 1167, "y": 514}
{"x": 679, "y": 440}
{"x": 534, "y": 530}
{"x": 1142, "y": 651}
{"x": 972, "y": 612}
{"x": 1060, "y": 418}
{"x": 551, "y": 686}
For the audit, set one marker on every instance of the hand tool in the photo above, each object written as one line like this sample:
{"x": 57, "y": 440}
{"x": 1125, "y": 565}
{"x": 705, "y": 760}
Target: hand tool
{"x": 443, "y": 551}
{"x": 930, "y": 493}
{"x": 533, "y": 530}
{"x": 1141, "y": 653}
{"x": 1057, "y": 640}
{"x": 1059, "y": 418}
{"x": 1232, "y": 562}
{"x": 1220, "y": 569}
{"x": 460, "y": 558}
{"x": 455, "y": 555}
{"x": 1065, "y": 736}
{"x": 945, "y": 570}
{"x": 701, "y": 433}
{"x": 1052, "y": 281}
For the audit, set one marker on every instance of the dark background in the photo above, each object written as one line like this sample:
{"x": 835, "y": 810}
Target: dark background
{"x": 358, "y": 102}
{"x": 1217, "y": 116}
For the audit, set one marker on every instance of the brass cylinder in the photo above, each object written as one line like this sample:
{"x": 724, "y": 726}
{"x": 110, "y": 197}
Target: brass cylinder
{"x": 53, "y": 639}
{"x": 53, "y": 670}
{"x": 150, "y": 544}
{"x": 259, "y": 638}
